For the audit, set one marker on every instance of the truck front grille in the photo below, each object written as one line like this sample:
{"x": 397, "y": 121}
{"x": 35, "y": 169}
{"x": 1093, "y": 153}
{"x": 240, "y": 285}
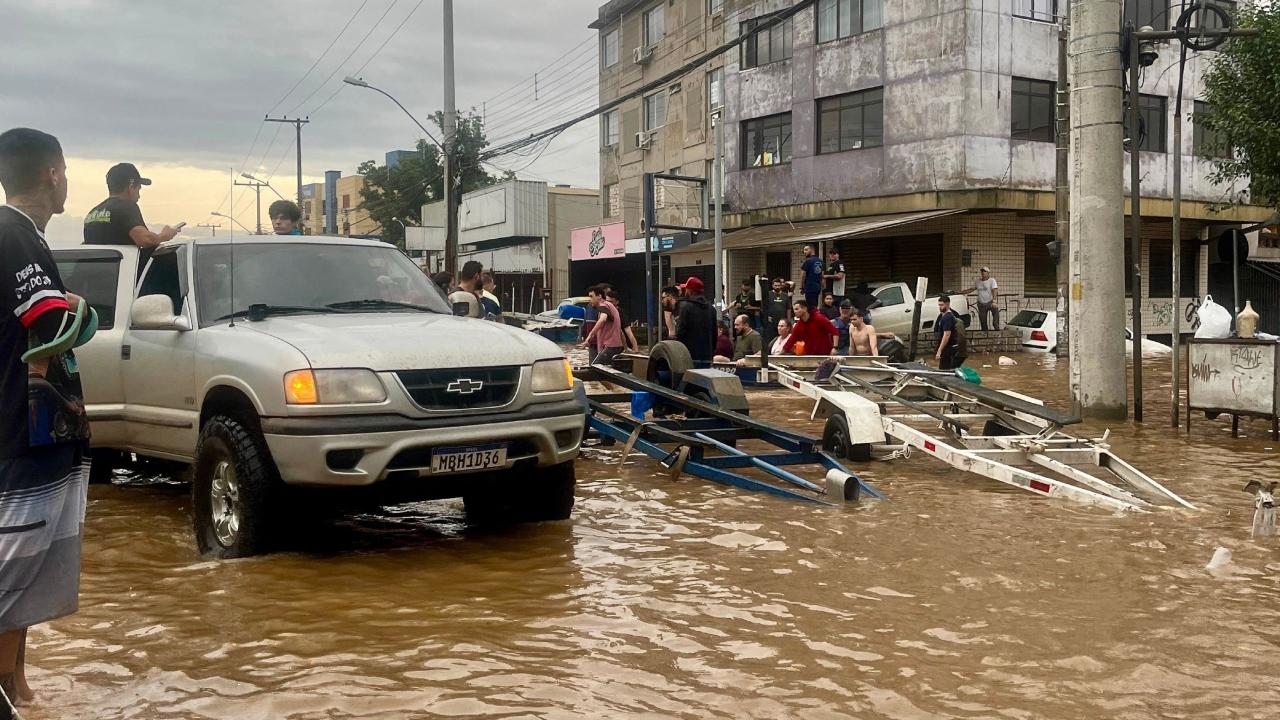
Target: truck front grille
{"x": 461, "y": 389}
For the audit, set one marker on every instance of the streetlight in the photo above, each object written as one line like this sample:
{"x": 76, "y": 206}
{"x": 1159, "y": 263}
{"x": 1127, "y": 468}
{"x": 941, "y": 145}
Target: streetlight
{"x": 264, "y": 183}
{"x": 221, "y": 215}
{"x": 450, "y": 166}
{"x": 359, "y": 82}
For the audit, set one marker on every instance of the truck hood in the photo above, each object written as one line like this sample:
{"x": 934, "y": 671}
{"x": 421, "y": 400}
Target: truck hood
{"x": 405, "y": 341}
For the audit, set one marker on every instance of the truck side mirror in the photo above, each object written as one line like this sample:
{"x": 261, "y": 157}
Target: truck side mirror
{"x": 155, "y": 312}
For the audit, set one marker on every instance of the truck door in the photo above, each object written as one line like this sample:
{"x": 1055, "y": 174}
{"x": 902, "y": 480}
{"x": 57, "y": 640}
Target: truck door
{"x": 894, "y": 312}
{"x": 158, "y": 367}
{"x": 95, "y": 274}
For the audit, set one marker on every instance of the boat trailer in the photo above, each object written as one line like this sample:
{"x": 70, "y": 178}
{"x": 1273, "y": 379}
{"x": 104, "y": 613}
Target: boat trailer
{"x": 697, "y": 429}
{"x": 893, "y": 410}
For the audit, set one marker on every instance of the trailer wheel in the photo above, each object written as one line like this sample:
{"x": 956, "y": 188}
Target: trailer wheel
{"x": 835, "y": 440}
{"x": 672, "y": 358}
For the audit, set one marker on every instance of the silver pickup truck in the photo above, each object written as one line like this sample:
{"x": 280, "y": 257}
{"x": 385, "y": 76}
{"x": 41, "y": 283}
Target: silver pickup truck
{"x": 278, "y": 367}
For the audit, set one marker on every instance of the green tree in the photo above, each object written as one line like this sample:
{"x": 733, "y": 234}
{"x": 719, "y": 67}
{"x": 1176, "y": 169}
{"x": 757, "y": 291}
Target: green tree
{"x": 401, "y": 191}
{"x": 1243, "y": 93}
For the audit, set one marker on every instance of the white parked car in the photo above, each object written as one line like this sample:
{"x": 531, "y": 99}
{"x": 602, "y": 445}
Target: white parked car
{"x": 1039, "y": 330}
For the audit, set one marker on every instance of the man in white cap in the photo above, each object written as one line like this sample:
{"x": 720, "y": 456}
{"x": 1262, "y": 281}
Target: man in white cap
{"x": 988, "y": 295}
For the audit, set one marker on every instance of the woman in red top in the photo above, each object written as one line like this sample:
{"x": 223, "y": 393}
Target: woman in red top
{"x": 813, "y": 329}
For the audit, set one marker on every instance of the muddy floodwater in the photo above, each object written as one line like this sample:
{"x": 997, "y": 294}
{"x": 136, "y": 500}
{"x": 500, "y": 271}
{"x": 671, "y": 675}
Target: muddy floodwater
{"x": 955, "y": 598}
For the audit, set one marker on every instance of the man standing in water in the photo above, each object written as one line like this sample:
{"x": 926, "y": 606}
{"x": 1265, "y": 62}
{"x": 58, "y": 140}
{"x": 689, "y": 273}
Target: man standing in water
{"x": 43, "y": 429}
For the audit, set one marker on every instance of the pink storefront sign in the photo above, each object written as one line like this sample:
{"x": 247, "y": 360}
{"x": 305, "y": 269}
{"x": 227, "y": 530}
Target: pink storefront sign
{"x": 599, "y": 242}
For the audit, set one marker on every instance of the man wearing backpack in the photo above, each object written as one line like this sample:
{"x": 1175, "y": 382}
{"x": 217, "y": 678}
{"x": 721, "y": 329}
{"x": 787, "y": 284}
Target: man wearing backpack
{"x": 953, "y": 348}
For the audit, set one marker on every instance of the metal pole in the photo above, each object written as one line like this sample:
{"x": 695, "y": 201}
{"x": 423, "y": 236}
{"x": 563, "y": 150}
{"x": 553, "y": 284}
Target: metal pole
{"x": 298, "y": 125}
{"x": 450, "y": 146}
{"x": 1236, "y": 237}
{"x": 649, "y": 293}
{"x": 257, "y": 190}
{"x": 1135, "y": 241}
{"x": 1176, "y": 384}
{"x": 719, "y": 195}
{"x": 1062, "y": 191}
{"x": 1099, "y": 382}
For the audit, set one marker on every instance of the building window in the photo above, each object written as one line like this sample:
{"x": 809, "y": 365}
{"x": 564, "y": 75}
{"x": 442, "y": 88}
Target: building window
{"x": 655, "y": 111}
{"x": 849, "y": 122}
{"x": 1160, "y": 278}
{"x": 609, "y": 49}
{"x": 844, "y": 18}
{"x": 612, "y": 201}
{"x": 1039, "y": 271}
{"x": 715, "y": 90}
{"x": 715, "y": 7}
{"x": 609, "y": 129}
{"x": 766, "y": 141}
{"x": 654, "y": 26}
{"x": 1045, "y": 10}
{"x": 1148, "y": 12}
{"x": 1207, "y": 142}
{"x": 346, "y": 202}
{"x": 767, "y": 46}
{"x": 1152, "y": 112}
{"x": 1032, "y": 110}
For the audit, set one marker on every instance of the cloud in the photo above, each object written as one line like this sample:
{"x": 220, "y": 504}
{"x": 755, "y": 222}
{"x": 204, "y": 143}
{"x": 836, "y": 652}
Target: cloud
{"x": 184, "y": 85}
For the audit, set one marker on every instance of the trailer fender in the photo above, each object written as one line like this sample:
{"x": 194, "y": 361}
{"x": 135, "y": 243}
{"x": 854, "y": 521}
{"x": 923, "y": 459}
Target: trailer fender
{"x": 860, "y": 414}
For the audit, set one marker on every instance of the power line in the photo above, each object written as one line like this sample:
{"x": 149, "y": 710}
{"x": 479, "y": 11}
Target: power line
{"x": 338, "y": 67}
{"x": 375, "y": 54}
{"x": 315, "y": 64}
{"x": 545, "y": 68}
{"x": 662, "y": 81}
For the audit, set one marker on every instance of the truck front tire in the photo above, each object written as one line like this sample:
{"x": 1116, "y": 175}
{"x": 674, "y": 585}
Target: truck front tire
{"x": 234, "y": 488}
{"x": 515, "y": 496}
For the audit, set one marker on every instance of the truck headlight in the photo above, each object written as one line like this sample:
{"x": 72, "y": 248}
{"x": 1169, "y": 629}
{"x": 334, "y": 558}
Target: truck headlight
{"x": 552, "y": 376}
{"x": 333, "y": 387}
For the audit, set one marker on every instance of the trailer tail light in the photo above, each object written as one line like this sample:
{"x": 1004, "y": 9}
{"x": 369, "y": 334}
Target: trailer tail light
{"x": 1039, "y": 335}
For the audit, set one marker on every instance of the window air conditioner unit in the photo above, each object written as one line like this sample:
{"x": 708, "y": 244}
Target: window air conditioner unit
{"x": 641, "y": 55}
{"x": 643, "y": 140}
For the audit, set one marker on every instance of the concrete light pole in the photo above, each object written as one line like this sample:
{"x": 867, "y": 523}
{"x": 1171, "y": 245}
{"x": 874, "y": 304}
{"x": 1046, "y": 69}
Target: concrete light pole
{"x": 1098, "y": 383}
{"x": 450, "y": 148}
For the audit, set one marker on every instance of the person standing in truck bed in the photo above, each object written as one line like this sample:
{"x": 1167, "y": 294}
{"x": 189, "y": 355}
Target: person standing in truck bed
{"x": 118, "y": 220}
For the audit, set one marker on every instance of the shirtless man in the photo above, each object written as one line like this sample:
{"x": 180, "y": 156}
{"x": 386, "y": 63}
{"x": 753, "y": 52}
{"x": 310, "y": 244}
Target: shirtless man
{"x": 863, "y": 338}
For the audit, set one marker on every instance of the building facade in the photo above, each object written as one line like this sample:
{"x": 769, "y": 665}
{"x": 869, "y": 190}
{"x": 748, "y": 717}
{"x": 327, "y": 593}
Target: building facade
{"x": 918, "y": 138}
{"x": 670, "y": 129}
{"x": 520, "y": 231}
{"x": 334, "y": 207}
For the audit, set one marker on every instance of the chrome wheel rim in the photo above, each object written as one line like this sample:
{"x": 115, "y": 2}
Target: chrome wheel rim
{"x": 224, "y": 503}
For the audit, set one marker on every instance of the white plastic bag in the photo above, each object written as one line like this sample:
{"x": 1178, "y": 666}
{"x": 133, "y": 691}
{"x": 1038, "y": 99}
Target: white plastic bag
{"x": 1215, "y": 320}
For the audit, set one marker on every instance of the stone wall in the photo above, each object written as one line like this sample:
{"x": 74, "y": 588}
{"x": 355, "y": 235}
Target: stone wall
{"x": 981, "y": 342}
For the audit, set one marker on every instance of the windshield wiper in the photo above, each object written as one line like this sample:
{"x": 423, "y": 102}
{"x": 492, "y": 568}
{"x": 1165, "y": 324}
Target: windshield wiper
{"x": 265, "y": 310}
{"x": 370, "y": 303}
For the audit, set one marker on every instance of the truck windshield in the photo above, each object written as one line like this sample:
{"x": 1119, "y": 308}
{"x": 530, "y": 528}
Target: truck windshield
{"x": 350, "y": 278}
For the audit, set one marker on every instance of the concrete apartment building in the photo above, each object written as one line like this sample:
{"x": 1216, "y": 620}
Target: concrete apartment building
{"x": 334, "y": 207}
{"x": 668, "y": 130}
{"x": 918, "y": 138}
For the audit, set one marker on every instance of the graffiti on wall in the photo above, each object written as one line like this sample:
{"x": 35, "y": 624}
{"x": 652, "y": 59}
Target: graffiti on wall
{"x": 1157, "y": 316}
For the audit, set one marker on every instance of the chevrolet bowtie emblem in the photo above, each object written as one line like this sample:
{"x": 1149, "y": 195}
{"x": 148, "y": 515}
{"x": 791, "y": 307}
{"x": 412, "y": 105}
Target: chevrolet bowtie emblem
{"x": 464, "y": 386}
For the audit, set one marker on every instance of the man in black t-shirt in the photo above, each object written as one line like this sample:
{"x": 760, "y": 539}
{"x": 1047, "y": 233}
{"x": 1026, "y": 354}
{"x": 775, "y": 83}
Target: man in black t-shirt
{"x": 118, "y": 220}
{"x": 43, "y": 429}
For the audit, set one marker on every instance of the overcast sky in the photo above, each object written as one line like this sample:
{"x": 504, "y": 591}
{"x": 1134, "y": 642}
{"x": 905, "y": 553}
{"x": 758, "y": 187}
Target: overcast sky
{"x": 179, "y": 87}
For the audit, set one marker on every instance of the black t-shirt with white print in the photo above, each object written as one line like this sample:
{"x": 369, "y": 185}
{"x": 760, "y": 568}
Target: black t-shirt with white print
{"x": 45, "y": 411}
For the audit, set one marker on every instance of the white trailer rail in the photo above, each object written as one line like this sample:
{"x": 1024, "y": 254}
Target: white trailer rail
{"x": 1004, "y": 436}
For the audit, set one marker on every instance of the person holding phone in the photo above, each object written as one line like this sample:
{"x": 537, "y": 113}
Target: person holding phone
{"x": 118, "y": 219}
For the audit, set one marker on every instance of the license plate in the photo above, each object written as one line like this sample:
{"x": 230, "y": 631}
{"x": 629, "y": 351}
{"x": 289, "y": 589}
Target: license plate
{"x": 466, "y": 459}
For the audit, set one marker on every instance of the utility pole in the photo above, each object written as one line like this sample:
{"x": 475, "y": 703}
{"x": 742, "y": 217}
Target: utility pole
{"x": 257, "y": 186}
{"x": 450, "y": 148}
{"x": 1062, "y": 191}
{"x": 297, "y": 125}
{"x": 212, "y": 228}
{"x": 1098, "y": 382}
{"x": 1135, "y": 215}
{"x": 718, "y": 170}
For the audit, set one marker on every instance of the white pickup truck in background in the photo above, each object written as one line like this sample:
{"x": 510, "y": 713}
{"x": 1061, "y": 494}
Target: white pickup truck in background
{"x": 292, "y": 370}
{"x": 897, "y": 305}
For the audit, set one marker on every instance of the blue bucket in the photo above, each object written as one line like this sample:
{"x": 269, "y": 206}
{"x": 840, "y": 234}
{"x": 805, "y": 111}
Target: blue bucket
{"x": 641, "y": 404}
